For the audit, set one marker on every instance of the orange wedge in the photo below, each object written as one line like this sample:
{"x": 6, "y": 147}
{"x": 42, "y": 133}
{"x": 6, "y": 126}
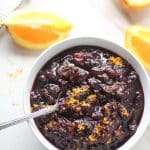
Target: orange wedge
{"x": 37, "y": 30}
{"x": 135, "y": 4}
{"x": 137, "y": 39}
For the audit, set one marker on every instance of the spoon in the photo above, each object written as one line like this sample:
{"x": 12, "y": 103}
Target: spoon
{"x": 43, "y": 111}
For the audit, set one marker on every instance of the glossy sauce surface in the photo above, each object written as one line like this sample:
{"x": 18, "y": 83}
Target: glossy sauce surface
{"x": 101, "y": 100}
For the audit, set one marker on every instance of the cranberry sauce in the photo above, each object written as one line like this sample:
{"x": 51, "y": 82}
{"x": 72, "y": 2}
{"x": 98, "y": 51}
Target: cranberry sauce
{"x": 101, "y": 100}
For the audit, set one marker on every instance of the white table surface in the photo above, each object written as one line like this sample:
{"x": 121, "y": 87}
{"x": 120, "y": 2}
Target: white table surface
{"x": 101, "y": 18}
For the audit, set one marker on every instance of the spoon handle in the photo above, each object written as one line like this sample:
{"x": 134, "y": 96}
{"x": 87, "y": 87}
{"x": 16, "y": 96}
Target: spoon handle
{"x": 36, "y": 114}
{"x": 5, "y": 14}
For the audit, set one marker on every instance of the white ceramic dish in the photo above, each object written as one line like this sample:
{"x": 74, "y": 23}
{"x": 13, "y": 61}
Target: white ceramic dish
{"x": 54, "y": 50}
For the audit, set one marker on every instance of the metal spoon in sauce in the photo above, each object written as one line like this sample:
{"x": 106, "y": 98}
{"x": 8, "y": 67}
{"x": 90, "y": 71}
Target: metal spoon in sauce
{"x": 41, "y": 112}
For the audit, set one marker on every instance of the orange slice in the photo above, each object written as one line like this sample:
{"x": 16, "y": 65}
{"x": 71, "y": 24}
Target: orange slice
{"x": 37, "y": 30}
{"x": 138, "y": 40}
{"x": 135, "y": 4}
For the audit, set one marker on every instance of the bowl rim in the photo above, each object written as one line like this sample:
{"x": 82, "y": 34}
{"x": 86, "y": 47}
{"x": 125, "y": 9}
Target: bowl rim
{"x": 111, "y": 46}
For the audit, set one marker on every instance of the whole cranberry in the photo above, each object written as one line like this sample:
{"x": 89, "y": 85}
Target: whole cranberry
{"x": 111, "y": 72}
{"x": 95, "y": 54}
{"x": 78, "y": 57}
{"x": 96, "y": 70}
{"x": 43, "y": 79}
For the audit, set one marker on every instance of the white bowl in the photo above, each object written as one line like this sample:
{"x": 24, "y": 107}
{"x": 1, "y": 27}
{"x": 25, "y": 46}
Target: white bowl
{"x": 54, "y": 50}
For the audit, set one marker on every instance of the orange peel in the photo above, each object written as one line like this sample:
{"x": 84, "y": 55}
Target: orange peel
{"x": 135, "y": 4}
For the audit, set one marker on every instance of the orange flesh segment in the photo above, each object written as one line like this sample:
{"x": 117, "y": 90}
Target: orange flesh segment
{"x": 142, "y": 50}
{"x": 35, "y": 35}
{"x": 138, "y": 41}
